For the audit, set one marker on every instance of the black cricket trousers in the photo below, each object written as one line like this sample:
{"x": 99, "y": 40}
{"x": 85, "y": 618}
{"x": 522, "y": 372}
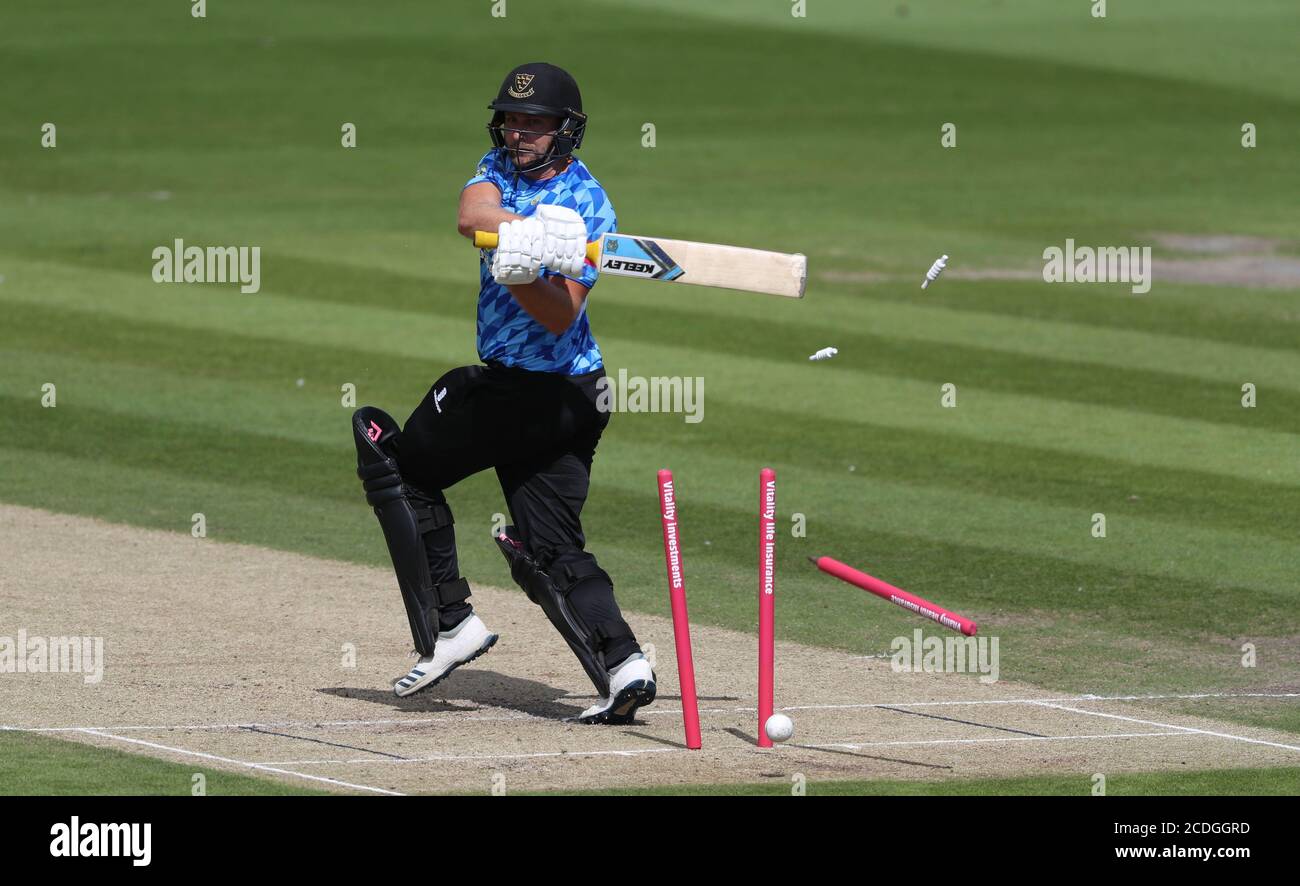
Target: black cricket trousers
{"x": 539, "y": 430}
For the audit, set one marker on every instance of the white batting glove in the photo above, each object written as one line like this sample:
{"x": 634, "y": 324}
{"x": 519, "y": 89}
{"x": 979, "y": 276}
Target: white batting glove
{"x": 565, "y": 249}
{"x": 518, "y": 258}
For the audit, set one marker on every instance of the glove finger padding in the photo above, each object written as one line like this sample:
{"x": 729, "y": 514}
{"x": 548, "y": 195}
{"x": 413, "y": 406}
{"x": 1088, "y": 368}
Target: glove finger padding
{"x": 573, "y": 265}
{"x": 517, "y": 259}
{"x": 566, "y": 239}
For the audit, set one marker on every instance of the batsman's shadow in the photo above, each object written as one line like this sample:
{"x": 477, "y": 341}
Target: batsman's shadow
{"x": 469, "y": 690}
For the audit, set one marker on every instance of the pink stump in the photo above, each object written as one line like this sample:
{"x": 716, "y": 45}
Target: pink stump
{"x": 897, "y": 596}
{"x": 677, "y": 598}
{"x": 766, "y": 600}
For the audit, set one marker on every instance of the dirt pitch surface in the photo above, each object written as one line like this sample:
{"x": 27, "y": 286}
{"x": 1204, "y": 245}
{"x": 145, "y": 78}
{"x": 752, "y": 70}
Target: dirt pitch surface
{"x": 234, "y": 657}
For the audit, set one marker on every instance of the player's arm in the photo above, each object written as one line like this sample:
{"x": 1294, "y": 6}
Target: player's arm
{"x": 553, "y": 238}
{"x": 481, "y": 210}
{"x": 555, "y": 302}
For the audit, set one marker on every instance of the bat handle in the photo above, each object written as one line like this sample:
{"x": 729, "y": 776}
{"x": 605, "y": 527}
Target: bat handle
{"x": 488, "y": 240}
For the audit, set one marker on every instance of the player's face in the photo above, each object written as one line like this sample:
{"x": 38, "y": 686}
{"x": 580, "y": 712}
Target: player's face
{"x": 528, "y": 137}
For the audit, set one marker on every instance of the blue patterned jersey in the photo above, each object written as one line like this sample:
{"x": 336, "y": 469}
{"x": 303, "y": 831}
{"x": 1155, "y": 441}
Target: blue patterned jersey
{"x": 506, "y": 332}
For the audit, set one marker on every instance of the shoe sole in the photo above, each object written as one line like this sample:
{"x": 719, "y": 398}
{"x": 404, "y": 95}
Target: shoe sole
{"x": 420, "y": 687}
{"x": 623, "y": 711}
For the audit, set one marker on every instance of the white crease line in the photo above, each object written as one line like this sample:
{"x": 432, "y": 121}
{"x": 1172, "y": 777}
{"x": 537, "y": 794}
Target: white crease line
{"x": 456, "y": 718}
{"x": 1190, "y": 729}
{"x": 452, "y": 718}
{"x": 260, "y": 766}
{"x": 1014, "y": 701}
{"x": 987, "y": 701}
{"x": 988, "y": 741}
{"x": 726, "y": 749}
{"x": 439, "y": 758}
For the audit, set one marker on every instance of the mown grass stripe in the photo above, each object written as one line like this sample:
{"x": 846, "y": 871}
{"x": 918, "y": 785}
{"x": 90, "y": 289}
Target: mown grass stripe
{"x": 1136, "y": 544}
{"x": 756, "y": 434}
{"x": 215, "y": 309}
{"x": 1092, "y": 428}
{"x": 233, "y": 454}
{"x": 929, "y": 506}
{"x": 1156, "y": 392}
{"x": 104, "y": 398}
{"x": 961, "y": 330}
{"x": 1261, "y": 318}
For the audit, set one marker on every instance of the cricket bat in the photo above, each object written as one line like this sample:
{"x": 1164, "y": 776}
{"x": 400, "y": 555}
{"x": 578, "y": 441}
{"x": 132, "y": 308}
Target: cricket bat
{"x": 684, "y": 261}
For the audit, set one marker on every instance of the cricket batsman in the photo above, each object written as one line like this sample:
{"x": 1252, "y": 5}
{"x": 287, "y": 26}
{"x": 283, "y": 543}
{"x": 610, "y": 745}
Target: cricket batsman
{"x": 528, "y": 411}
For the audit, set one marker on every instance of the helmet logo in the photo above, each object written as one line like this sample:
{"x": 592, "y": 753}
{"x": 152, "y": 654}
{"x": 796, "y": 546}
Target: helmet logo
{"x": 523, "y": 86}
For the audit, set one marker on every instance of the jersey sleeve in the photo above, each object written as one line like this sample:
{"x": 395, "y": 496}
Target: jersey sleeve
{"x": 488, "y": 171}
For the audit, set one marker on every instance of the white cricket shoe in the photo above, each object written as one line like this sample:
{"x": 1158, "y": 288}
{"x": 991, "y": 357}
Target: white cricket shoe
{"x": 631, "y": 685}
{"x": 462, "y": 644}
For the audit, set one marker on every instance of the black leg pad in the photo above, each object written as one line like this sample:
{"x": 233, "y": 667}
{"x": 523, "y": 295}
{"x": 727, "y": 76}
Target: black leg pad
{"x": 406, "y": 516}
{"x": 552, "y": 596}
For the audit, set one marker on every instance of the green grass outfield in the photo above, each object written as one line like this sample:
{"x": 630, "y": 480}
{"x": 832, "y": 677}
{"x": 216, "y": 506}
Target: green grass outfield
{"x": 37, "y": 765}
{"x": 819, "y": 135}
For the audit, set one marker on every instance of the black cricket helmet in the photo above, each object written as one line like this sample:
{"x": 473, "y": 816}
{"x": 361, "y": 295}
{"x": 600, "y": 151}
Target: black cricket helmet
{"x": 545, "y": 90}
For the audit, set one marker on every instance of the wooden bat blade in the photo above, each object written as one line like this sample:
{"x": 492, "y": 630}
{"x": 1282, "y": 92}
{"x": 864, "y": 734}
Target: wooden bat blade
{"x": 686, "y": 261}
{"x": 705, "y": 264}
